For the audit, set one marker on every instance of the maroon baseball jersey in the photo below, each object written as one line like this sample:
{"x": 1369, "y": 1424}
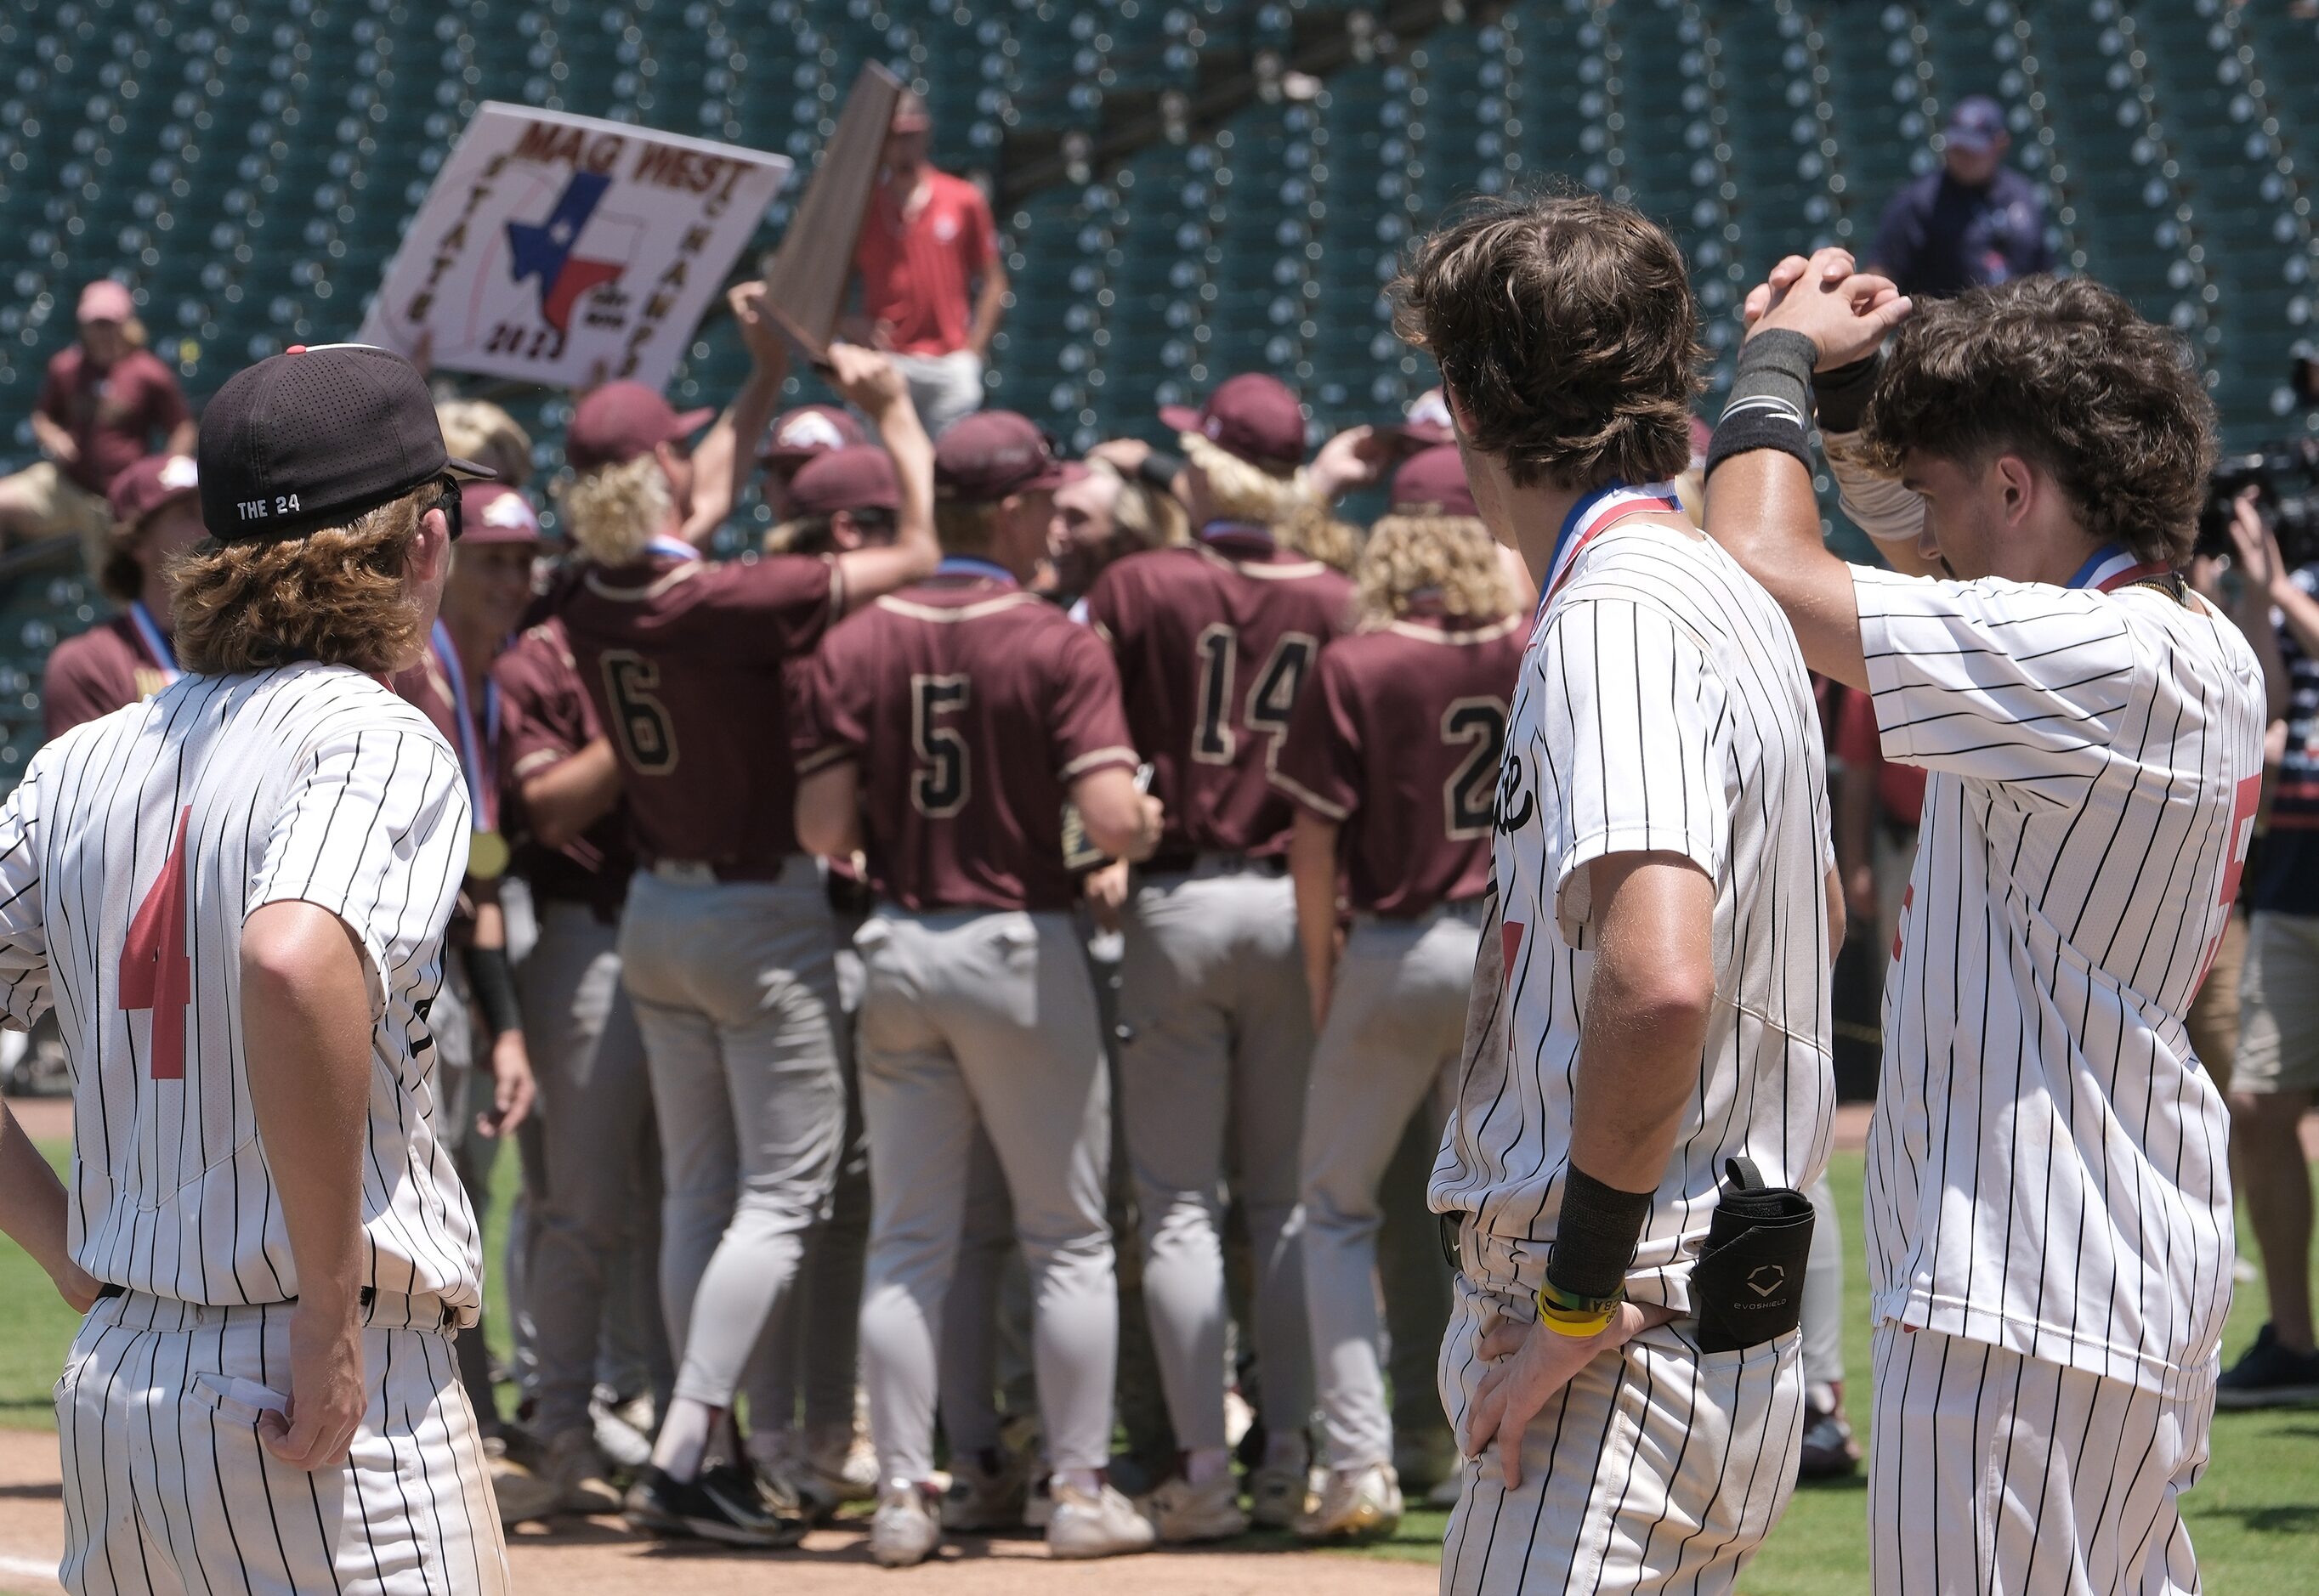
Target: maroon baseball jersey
{"x": 1214, "y": 641}
{"x": 105, "y": 668}
{"x": 683, "y": 661}
{"x": 1397, "y": 738}
{"x": 546, "y": 718}
{"x": 972, "y": 707}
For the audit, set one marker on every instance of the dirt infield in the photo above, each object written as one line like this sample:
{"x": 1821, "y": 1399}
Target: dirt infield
{"x": 597, "y": 1557}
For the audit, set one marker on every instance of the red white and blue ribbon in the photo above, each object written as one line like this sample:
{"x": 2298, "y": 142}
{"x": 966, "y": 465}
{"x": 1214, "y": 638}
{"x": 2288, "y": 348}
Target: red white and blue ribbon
{"x": 967, "y": 568}
{"x": 1595, "y": 514}
{"x": 480, "y": 764}
{"x": 673, "y": 548}
{"x": 156, "y": 646}
{"x": 2110, "y": 566}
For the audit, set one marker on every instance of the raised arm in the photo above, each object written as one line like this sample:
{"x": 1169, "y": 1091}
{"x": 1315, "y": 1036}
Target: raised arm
{"x": 726, "y": 457}
{"x": 872, "y": 385}
{"x": 306, "y": 1013}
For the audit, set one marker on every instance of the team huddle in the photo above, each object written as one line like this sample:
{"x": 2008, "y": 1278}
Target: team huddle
{"x": 1511, "y": 819}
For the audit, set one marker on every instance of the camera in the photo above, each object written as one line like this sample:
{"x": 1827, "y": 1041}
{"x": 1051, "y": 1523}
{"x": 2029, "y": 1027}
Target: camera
{"x": 2285, "y": 477}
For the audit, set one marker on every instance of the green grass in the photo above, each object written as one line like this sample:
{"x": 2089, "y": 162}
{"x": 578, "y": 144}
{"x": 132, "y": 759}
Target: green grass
{"x": 2251, "y": 1519}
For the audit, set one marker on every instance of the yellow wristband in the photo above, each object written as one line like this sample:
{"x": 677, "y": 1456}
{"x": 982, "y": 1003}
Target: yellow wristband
{"x": 1578, "y": 1326}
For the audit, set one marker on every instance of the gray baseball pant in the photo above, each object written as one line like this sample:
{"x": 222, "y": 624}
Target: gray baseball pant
{"x": 1823, "y": 1324}
{"x": 985, "y": 1358}
{"x": 595, "y": 1098}
{"x": 977, "y": 1018}
{"x": 1218, "y": 1040}
{"x": 1397, "y": 1023}
{"x": 735, "y": 993}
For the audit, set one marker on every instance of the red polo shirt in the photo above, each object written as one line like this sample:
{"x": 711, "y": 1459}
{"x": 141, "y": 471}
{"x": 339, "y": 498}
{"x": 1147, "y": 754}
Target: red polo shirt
{"x": 918, "y": 275}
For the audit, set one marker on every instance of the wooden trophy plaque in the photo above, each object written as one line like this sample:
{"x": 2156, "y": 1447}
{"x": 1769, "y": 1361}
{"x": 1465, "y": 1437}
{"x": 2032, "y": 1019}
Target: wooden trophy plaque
{"x": 805, "y": 280}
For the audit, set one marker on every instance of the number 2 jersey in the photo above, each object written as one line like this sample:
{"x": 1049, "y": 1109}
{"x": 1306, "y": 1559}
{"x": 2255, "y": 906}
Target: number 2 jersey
{"x": 130, "y": 854}
{"x": 971, "y": 707}
{"x": 1214, "y": 643}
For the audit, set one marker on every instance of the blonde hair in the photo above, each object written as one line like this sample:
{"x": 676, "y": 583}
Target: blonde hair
{"x": 479, "y": 430}
{"x": 1143, "y": 516}
{"x": 1449, "y": 557}
{"x": 613, "y": 511}
{"x": 1281, "y": 499}
{"x": 336, "y": 595}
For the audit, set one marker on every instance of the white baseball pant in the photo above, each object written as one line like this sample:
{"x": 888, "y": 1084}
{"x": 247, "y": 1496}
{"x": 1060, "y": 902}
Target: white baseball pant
{"x": 1989, "y": 1471}
{"x": 168, "y": 1491}
{"x": 1658, "y": 1467}
{"x": 977, "y": 1018}
{"x": 1397, "y": 1023}
{"x": 1219, "y": 1043}
{"x": 735, "y": 991}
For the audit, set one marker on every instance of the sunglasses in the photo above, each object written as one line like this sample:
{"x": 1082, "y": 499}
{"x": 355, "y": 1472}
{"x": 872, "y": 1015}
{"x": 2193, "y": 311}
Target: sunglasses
{"x": 448, "y": 503}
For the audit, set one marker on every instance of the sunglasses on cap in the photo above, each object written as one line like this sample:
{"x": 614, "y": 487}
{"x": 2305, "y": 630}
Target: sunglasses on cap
{"x": 448, "y": 503}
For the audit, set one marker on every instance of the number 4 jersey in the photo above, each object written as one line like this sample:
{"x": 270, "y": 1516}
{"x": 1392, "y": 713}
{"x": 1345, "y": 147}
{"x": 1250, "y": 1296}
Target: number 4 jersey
{"x": 971, "y": 707}
{"x": 1398, "y": 740}
{"x": 130, "y": 855}
{"x": 1213, "y": 642}
{"x": 685, "y": 662}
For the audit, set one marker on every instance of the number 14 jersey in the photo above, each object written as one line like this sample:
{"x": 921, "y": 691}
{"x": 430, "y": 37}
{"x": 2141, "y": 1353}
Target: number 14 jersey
{"x": 130, "y": 855}
{"x": 1214, "y": 643}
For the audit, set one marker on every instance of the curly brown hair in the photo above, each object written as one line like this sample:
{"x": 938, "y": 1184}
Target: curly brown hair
{"x": 336, "y": 595}
{"x": 1450, "y": 558}
{"x": 2062, "y": 372}
{"x": 1565, "y": 333}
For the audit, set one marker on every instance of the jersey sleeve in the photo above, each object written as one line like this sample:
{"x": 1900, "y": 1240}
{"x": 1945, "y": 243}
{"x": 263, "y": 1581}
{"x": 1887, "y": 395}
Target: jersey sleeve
{"x": 780, "y": 607}
{"x": 977, "y": 240}
{"x": 23, "y": 916}
{"x": 373, "y": 829}
{"x": 165, "y": 401}
{"x": 539, "y": 727}
{"x": 1321, "y": 759}
{"x": 72, "y": 691}
{"x": 1634, "y": 723}
{"x": 1998, "y": 681}
{"x": 1111, "y": 607}
{"x": 1090, "y": 721}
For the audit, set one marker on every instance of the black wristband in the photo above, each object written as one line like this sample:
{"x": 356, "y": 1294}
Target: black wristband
{"x": 1159, "y": 469}
{"x": 493, "y": 980}
{"x": 1770, "y": 406}
{"x": 1842, "y": 394}
{"x": 1594, "y": 1236}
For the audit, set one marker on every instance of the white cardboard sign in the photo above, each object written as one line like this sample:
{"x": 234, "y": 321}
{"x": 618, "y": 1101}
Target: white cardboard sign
{"x": 564, "y": 250}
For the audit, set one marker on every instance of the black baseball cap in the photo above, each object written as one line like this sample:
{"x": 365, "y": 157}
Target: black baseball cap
{"x": 314, "y": 437}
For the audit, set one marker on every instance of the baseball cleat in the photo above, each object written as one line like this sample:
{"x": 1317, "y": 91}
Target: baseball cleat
{"x": 987, "y": 1491}
{"x": 2268, "y": 1375}
{"x": 906, "y": 1529}
{"x": 726, "y": 1505}
{"x": 521, "y": 1494}
{"x": 576, "y": 1470}
{"x": 1104, "y": 1524}
{"x": 1276, "y": 1496}
{"x": 1353, "y": 1504}
{"x": 1182, "y": 1512}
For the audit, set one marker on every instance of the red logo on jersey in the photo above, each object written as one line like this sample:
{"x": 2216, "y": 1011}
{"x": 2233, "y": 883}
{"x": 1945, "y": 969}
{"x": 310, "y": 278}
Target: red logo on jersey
{"x": 155, "y": 973}
{"x": 1509, "y": 935}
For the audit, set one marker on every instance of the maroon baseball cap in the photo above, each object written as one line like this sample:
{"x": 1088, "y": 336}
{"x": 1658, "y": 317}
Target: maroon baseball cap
{"x": 1432, "y": 482}
{"x": 619, "y": 421}
{"x": 981, "y": 459}
{"x": 859, "y": 476}
{"x": 150, "y": 483}
{"x": 493, "y": 513}
{"x": 1251, "y": 414}
{"x": 810, "y": 429}
{"x": 1427, "y": 421}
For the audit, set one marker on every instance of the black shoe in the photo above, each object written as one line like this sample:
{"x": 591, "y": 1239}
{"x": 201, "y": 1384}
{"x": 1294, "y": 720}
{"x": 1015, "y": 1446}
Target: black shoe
{"x": 1828, "y": 1451}
{"x": 2268, "y": 1375}
{"x": 725, "y": 1505}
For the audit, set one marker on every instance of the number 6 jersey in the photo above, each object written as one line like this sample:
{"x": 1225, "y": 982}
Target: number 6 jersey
{"x": 130, "y": 855}
{"x": 1213, "y": 642}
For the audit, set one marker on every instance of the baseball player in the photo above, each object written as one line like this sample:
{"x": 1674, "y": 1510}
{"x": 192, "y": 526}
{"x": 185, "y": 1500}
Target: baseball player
{"x": 2048, "y": 1209}
{"x": 841, "y": 498}
{"x": 235, "y": 896}
{"x": 1214, "y": 641}
{"x": 1650, "y": 1011}
{"x": 726, "y": 944}
{"x": 1391, "y": 758}
{"x": 799, "y": 437}
{"x": 571, "y": 849}
{"x": 946, "y": 727}
{"x": 156, "y": 518}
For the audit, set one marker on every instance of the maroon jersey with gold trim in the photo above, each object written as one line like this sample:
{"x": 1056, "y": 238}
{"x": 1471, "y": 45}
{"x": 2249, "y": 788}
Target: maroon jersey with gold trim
{"x": 1213, "y": 642}
{"x": 1396, "y": 738}
{"x": 546, "y": 718}
{"x": 972, "y": 707}
{"x": 683, "y": 661}
{"x": 104, "y": 669}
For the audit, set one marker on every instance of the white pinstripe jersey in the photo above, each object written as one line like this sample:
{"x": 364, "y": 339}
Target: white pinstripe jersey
{"x": 130, "y": 856}
{"x": 2046, "y": 1167}
{"x": 1663, "y": 705}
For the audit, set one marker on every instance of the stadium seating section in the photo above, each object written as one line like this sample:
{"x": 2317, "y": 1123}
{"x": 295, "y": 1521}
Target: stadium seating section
{"x": 249, "y": 165}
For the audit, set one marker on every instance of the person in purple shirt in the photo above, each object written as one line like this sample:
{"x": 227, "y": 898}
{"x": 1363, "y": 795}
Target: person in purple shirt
{"x": 1973, "y": 222}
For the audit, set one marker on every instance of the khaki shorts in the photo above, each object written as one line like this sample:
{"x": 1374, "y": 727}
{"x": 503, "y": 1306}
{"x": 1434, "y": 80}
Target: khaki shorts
{"x": 2213, "y": 1021}
{"x": 63, "y": 505}
{"x": 2278, "y": 1006}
